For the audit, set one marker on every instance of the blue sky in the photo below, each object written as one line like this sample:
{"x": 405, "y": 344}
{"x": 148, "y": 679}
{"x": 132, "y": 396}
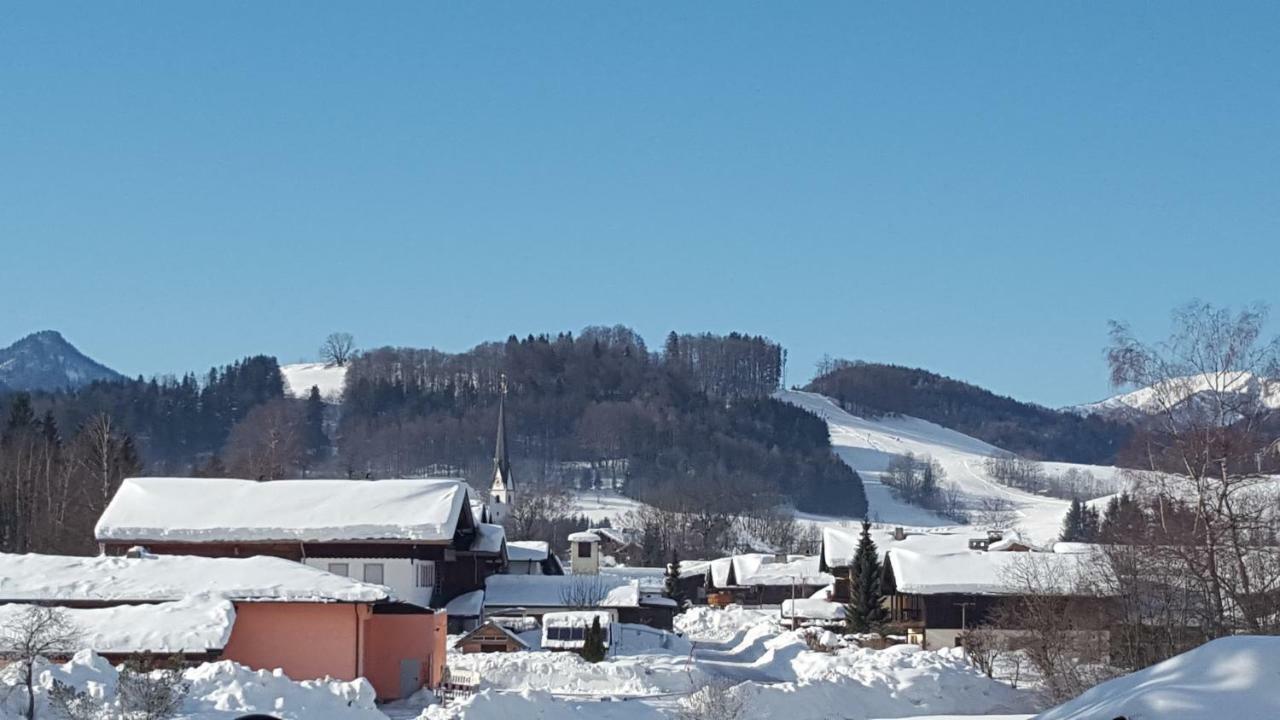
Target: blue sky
{"x": 975, "y": 189}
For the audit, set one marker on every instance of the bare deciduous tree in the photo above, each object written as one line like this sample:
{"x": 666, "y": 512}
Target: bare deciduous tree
{"x": 338, "y": 348}
{"x": 1211, "y": 426}
{"x": 718, "y": 699}
{"x": 996, "y": 512}
{"x": 584, "y": 591}
{"x": 36, "y": 632}
{"x": 268, "y": 443}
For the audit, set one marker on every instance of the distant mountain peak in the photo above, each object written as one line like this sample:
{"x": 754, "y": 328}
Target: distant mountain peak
{"x": 45, "y": 360}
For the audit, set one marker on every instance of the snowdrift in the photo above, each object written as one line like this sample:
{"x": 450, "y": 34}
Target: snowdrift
{"x": 221, "y": 690}
{"x": 1236, "y": 677}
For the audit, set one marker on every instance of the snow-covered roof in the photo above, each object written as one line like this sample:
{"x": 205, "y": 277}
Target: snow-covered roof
{"x": 974, "y": 572}
{"x": 217, "y": 509}
{"x": 192, "y": 625}
{"x": 765, "y": 569}
{"x": 489, "y": 538}
{"x": 527, "y": 550}
{"x": 840, "y": 545}
{"x": 543, "y": 591}
{"x": 812, "y": 609}
{"x": 491, "y": 624}
{"x": 466, "y": 605}
{"x": 584, "y": 536}
{"x": 54, "y": 578}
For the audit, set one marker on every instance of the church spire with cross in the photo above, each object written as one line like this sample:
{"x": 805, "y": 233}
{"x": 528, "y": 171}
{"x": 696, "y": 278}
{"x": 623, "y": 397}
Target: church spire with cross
{"x": 502, "y": 493}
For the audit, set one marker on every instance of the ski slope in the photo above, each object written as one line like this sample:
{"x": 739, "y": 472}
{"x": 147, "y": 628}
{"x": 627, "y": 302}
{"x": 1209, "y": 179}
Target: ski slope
{"x": 869, "y": 445}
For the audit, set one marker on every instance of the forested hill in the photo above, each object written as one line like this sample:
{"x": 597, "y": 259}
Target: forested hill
{"x": 1033, "y": 431}
{"x": 690, "y": 427}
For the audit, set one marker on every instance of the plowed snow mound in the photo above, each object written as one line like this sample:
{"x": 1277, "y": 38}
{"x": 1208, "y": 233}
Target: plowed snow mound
{"x": 1227, "y": 679}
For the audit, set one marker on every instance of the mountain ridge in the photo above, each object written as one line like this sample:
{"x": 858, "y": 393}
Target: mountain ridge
{"x": 45, "y": 360}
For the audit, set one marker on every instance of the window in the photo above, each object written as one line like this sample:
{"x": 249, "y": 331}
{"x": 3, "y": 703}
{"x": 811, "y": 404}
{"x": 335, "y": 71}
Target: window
{"x": 584, "y": 549}
{"x": 577, "y": 633}
{"x": 373, "y": 573}
{"x": 340, "y": 569}
{"x": 426, "y": 574}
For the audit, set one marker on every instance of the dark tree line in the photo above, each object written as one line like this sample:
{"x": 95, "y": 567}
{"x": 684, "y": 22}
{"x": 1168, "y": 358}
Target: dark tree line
{"x": 176, "y": 423}
{"x": 693, "y": 424}
{"x": 1029, "y": 430}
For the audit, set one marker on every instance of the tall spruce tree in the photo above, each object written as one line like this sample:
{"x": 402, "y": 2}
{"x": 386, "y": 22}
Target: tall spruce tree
{"x": 865, "y": 611}
{"x": 671, "y": 580}
{"x": 1073, "y": 523}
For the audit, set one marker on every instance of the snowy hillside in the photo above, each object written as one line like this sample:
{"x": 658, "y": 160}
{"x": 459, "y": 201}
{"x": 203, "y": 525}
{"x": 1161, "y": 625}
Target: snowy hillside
{"x": 299, "y": 378}
{"x": 869, "y": 445}
{"x": 1147, "y": 400}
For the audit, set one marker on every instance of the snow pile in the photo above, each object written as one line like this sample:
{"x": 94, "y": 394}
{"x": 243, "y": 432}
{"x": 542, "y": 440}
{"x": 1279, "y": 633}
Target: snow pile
{"x": 218, "y": 691}
{"x": 1233, "y": 677}
{"x": 299, "y": 378}
{"x": 899, "y": 681}
{"x": 193, "y": 625}
{"x": 707, "y": 624}
{"x": 567, "y": 673}
{"x": 535, "y": 705}
{"x": 39, "y": 578}
{"x": 203, "y": 509}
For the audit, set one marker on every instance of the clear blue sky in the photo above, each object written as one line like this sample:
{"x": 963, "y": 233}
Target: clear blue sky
{"x": 971, "y": 188}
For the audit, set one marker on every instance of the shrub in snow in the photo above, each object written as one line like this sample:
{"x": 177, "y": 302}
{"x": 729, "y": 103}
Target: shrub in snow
{"x": 76, "y": 704}
{"x": 151, "y": 694}
{"x": 716, "y": 700}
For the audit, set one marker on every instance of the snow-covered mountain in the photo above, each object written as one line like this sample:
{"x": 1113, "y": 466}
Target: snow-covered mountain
{"x": 868, "y": 445}
{"x": 46, "y": 361}
{"x": 1185, "y": 392}
{"x": 299, "y": 378}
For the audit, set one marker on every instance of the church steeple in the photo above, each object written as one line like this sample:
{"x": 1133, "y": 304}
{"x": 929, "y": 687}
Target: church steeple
{"x": 503, "y": 491}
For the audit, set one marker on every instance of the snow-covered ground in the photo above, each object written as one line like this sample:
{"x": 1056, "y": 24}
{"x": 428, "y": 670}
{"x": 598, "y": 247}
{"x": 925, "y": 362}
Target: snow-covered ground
{"x": 773, "y": 669}
{"x": 869, "y": 445}
{"x": 598, "y": 505}
{"x": 299, "y": 378}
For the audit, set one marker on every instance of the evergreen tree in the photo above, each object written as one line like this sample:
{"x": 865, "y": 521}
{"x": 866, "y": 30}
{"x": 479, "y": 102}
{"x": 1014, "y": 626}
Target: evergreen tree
{"x": 671, "y": 581}
{"x": 21, "y": 415}
{"x": 1123, "y": 521}
{"x": 316, "y": 440}
{"x": 1073, "y": 523}
{"x": 865, "y": 613}
{"x": 593, "y": 647}
{"x": 1091, "y": 525}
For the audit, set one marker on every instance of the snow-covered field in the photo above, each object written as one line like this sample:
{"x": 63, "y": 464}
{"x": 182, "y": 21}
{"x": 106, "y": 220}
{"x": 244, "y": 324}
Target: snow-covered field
{"x": 299, "y": 378}
{"x": 869, "y": 445}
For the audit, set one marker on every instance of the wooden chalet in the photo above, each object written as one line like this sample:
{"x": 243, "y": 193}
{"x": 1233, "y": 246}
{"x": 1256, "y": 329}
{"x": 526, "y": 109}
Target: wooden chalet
{"x": 490, "y": 637}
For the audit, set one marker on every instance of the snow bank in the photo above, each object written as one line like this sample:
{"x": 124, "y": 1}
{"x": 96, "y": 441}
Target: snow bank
{"x": 204, "y": 509}
{"x": 1233, "y": 677}
{"x": 192, "y": 625}
{"x": 173, "y": 577}
{"x": 896, "y": 682}
{"x": 218, "y": 691}
{"x": 707, "y": 624}
{"x": 567, "y": 673}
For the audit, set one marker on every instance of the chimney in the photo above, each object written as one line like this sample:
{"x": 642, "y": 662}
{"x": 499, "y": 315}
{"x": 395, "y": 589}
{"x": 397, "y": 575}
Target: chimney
{"x": 899, "y": 533}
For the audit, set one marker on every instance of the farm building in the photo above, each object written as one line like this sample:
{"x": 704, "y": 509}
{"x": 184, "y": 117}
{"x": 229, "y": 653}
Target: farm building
{"x": 624, "y": 599}
{"x": 418, "y": 537}
{"x": 764, "y": 579}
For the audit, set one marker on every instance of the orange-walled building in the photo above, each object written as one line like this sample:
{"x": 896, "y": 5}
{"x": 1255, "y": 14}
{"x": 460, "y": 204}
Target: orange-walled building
{"x": 262, "y": 612}
{"x": 398, "y": 648}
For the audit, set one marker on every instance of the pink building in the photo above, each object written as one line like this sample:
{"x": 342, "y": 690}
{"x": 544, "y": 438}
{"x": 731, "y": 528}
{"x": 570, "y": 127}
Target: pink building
{"x": 262, "y": 612}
